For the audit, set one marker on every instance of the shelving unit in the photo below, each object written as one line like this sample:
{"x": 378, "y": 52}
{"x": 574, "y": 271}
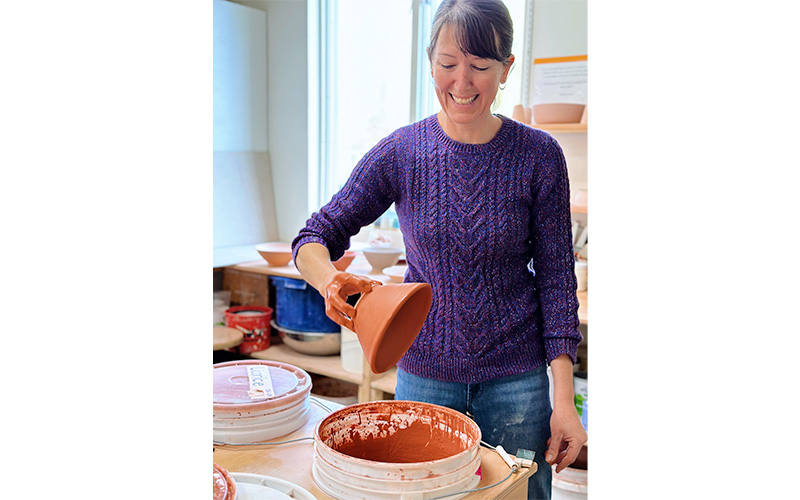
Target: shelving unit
{"x": 371, "y": 387}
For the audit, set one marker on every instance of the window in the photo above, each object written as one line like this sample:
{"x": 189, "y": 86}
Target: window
{"x": 369, "y": 75}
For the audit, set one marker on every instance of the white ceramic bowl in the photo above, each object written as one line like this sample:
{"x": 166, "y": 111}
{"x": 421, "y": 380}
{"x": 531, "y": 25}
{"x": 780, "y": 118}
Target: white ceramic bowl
{"x": 396, "y": 273}
{"x": 382, "y": 257}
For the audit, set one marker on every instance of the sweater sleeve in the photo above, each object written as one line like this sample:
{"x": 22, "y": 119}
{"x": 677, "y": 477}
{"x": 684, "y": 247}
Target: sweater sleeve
{"x": 553, "y": 258}
{"x": 367, "y": 194}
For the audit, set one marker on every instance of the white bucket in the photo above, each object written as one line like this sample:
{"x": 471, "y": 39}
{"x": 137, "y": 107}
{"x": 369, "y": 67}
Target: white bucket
{"x": 258, "y": 428}
{"x": 240, "y": 419}
{"x": 570, "y": 484}
{"x": 351, "y": 351}
{"x": 364, "y": 451}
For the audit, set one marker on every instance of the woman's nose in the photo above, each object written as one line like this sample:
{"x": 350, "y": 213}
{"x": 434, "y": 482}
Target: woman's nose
{"x": 462, "y": 79}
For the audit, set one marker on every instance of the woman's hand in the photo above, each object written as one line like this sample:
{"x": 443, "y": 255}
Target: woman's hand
{"x": 340, "y": 286}
{"x": 567, "y": 437}
{"x": 314, "y": 263}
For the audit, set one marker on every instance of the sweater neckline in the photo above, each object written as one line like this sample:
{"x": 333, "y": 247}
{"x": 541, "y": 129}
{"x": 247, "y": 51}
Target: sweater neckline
{"x": 495, "y": 143}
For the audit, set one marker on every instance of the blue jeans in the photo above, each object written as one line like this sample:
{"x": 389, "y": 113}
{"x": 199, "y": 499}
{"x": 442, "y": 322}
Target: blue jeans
{"x": 511, "y": 411}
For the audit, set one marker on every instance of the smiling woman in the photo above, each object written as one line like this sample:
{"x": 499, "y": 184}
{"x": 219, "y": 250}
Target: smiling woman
{"x": 466, "y": 85}
{"x": 372, "y": 76}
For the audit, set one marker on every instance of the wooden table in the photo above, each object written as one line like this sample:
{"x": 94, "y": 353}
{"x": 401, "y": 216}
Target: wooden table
{"x": 292, "y": 462}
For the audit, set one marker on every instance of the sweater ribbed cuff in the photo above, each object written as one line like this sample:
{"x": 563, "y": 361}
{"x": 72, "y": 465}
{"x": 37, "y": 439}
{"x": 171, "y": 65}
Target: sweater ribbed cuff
{"x": 555, "y": 347}
{"x": 306, "y": 239}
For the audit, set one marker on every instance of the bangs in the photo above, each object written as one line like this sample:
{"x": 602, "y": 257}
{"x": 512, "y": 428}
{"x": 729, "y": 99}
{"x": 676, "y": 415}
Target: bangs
{"x": 477, "y": 37}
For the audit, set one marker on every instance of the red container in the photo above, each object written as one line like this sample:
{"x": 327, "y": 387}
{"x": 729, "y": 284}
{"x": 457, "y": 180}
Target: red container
{"x": 253, "y": 321}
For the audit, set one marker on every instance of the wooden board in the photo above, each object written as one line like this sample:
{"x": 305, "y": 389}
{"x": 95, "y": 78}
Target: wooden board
{"x": 225, "y": 338}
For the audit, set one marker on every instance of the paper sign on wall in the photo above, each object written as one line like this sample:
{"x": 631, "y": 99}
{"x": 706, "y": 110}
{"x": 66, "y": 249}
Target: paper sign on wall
{"x": 560, "y": 80}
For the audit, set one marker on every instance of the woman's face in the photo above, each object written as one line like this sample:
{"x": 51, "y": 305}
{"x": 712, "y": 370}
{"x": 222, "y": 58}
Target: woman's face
{"x": 465, "y": 85}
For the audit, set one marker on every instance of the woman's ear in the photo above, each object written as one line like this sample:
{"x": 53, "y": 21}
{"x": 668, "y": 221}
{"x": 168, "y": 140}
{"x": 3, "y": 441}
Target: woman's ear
{"x": 509, "y": 62}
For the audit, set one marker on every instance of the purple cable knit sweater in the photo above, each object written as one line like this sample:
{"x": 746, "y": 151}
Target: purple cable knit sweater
{"x": 473, "y": 216}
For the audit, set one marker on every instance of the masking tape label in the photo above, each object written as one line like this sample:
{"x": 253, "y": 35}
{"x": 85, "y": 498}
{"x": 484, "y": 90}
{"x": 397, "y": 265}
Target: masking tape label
{"x": 260, "y": 383}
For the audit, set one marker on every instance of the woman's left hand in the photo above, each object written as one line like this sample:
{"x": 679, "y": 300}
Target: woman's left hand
{"x": 567, "y": 437}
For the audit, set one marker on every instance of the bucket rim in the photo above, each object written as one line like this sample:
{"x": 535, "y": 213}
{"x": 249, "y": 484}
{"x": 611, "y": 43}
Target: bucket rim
{"x": 318, "y": 441}
{"x": 301, "y": 391}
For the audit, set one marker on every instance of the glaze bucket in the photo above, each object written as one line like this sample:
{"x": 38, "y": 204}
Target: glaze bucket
{"x": 570, "y": 484}
{"x": 240, "y": 417}
{"x": 395, "y": 450}
{"x": 224, "y": 485}
{"x": 253, "y": 321}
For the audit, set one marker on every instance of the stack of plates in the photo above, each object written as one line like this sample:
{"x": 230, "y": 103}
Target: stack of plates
{"x": 257, "y": 400}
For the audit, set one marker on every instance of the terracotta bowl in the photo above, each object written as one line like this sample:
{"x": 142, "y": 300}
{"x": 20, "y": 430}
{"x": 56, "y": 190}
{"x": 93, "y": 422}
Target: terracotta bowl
{"x": 388, "y": 318}
{"x": 345, "y": 261}
{"x": 382, "y": 257}
{"x": 557, "y": 113}
{"x": 276, "y": 254}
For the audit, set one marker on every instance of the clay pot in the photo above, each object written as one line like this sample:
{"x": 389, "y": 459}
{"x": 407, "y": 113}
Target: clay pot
{"x": 557, "y": 113}
{"x": 276, "y": 254}
{"x": 388, "y": 318}
{"x": 345, "y": 260}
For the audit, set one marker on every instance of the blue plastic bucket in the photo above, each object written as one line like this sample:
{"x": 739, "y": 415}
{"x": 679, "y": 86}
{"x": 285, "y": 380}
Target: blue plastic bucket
{"x": 299, "y": 307}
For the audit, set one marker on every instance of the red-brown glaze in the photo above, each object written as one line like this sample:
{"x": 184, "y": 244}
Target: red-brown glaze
{"x": 398, "y": 432}
{"x": 419, "y": 442}
{"x": 224, "y": 485}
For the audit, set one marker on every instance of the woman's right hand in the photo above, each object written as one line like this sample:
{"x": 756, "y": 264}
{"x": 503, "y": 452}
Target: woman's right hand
{"x": 339, "y": 287}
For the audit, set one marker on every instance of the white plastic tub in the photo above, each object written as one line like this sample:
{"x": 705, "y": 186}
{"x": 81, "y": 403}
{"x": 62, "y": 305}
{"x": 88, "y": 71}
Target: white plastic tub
{"x": 570, "y": 484}
{"x": 393, "y": 450}
{"x": 240, "y": 419}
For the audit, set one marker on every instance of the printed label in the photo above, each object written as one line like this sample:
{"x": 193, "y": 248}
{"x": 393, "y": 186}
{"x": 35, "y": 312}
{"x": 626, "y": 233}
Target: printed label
{"x": 260, "y": 383}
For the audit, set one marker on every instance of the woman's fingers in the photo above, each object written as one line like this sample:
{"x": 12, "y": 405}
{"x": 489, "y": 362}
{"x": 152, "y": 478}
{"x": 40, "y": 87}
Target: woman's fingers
{"x": 567, "y": 457}
{"x": 554, "y": 449}
{"x": 338, "y": 290}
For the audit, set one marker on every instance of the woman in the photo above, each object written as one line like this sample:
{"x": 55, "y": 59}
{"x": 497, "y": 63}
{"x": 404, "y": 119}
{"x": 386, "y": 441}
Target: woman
{"x": 483, "y": 206}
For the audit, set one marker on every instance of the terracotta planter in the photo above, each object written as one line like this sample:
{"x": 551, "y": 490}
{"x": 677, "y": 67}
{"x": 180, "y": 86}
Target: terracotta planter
{"x": 388, "y": 318}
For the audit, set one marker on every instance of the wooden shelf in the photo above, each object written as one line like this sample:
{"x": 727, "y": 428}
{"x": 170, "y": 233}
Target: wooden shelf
{"x": 387, "y": 382}
{"x": 371, "y": 386}
{"x": 578, "y": 209}
{"x": 329, "y": 366}
{"x": 562, "y": 128}
{"x": 583, "y": 307}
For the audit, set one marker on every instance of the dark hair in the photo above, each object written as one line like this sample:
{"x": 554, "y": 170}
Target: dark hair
{"x": 482, "y": 28}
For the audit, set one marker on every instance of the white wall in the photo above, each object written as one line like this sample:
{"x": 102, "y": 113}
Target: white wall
{"x": 240, "y": 78}
{"x": 288, "y": 117}
{"x": 287, "y": 81}
{"x": 244, "y": 207}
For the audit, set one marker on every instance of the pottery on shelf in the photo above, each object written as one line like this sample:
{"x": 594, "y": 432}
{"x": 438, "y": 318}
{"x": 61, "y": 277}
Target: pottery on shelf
{"x": 557, "y": 113}
{"x": 275, "y": 253}
{"x": 345, "y": 260}
{"x": 382, "y": 257}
